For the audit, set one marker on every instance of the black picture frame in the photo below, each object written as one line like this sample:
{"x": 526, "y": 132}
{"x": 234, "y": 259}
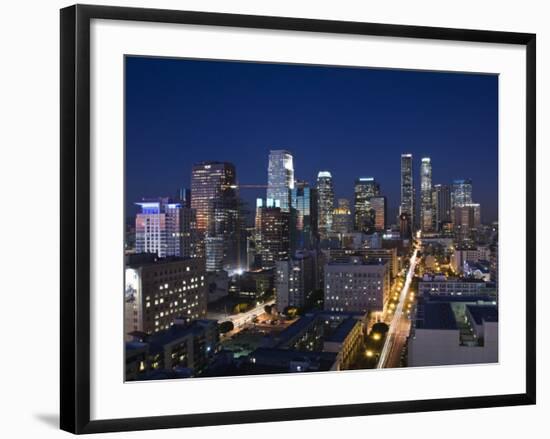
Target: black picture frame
{"x": 75, "y": 217}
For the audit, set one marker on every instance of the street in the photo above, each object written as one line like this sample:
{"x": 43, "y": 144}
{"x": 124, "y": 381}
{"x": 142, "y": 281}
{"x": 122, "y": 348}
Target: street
{"x": 399, "y": 326}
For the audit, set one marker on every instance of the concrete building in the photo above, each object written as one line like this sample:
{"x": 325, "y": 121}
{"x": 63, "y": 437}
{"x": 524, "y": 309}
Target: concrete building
{"x": 256, "y": 284}
{"x": 463, "y": 254}
{"x": 365, "y": 188}
{"x": 273, "y": 233}
{"x": 189, "y": 347}
{"x": 165, "y": 228}
{"x": 389, "y": 255}
{"x": 295, "y": 280}
{"x": 159, "y": 291}
{"x": 338, "y": 335}
{"x": 342, "y": 221}
{"x": 214, "y": 251}
{"x": 446, "y": 332}
{"x": 356, "y": 286}
{"x": 466, "y": 221}
{"x": 439, "y": 285}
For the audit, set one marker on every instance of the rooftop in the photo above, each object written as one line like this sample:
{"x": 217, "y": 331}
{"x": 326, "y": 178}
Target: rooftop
{"x": 436, "y": 315}
{"x": 483, "y": 313}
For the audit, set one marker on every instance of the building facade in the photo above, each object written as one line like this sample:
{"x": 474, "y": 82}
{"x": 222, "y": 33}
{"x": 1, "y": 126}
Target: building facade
{"x": 325, "y": 203}
{"x": 280, "y": 178}
{"x": 295, "y": 280}
{"x": 356, "y": 286}
{"x": 426, "y": 206}
{"x": 165, "y": 228}
{"x": 211, "y": 181}
{"x": 365, "y": 188}
{"x": 441, "y": 200}
{"x": 378, "y": 205}
{"x": 461, "y": 192}
{"x": 273, "y": 234}
{"x": 160, "y": 291}
{"x": 342, "y": 222}
{"x": 407, "y": 187}
{"x": 304, "y": 200}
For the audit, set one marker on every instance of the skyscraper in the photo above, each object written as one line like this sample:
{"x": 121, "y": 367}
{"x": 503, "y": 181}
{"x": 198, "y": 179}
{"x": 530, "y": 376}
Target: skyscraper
{"x": 466, "y": 220}
{"x": 273, "y": 241}
{"x": 378, "y": 204}
{"x": 426, "y": 206}
{"x": 210, "y": 181}
{"x": 407, "y": 187}
{"x": 341, "y": 217}
{"x": 325, "y": 204}
{"x": 441, "y": 200}
{"x": 214, "y": 250}
{"x": 304, "y": 200}
{"x": 280, "y": 177}
{"x": 461, "y": 193}
{"x": 164, "y": 228}
{"x": 365, "y": 189}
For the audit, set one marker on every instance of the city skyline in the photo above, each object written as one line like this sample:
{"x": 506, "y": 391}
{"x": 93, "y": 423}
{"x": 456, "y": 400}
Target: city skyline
{"x": 175, "y": 150}
{"x": 269, "y": 239}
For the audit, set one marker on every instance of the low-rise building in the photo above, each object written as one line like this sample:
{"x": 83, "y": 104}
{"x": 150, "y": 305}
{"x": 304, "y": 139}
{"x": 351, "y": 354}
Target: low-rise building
{"x": 447, "y": 331}
{"x": 161, "y": 290}
{"x": 440, "y": 285}
{"x": 182, "y": 348}
{"x": 358, "y": 285}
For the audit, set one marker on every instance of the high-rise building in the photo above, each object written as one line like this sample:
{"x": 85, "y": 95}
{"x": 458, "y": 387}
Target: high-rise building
{"x": 325, "y": 204}
{"x": 162, "y": 290}
{"x": 358, "y": 285}
{"x": 165, "y": 229}
{"x": 407, "y": 188}
{"x": 405, "y": 227}
{"x": 365, "y": 188}
{"x": 280, "y": 178}
{"x": 183, "y": 196}
{"x": 214, "y": 250}
{"x": 466, "y": 220}
{"x": 215, "y": 199}
{"x": 461, "y": 192}
{"x": 378, "y": 205}
{"x": 227, "y": 225}
{"x": 273, "y": 242}
{"x": 304, "y": 200}
{"x": 426, "y": 206}
{"x": 341, "y": 218}
{"x": 211, "y": 181}
{"x": 441, "y": 200}
{"x": 294, "y": 280}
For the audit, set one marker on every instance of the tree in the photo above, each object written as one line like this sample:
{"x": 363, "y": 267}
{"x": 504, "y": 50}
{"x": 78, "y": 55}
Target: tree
{"x": 268, "y": 309}
{"x": 380, "y": 328}
{"x": 290, "y": 311}
{"x": 240, "y": 307}
{"x": 226, "y": 326}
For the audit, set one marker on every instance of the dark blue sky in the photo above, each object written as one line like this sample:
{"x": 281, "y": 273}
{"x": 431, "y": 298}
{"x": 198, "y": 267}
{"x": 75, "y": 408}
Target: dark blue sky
{"x": 351, "y": 121}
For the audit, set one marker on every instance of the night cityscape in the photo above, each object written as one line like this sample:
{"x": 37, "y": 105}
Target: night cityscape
{"x": 291, "y": 218}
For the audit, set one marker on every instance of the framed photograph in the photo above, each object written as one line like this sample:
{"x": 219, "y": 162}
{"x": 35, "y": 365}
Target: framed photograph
{"x": 268, "y": 219}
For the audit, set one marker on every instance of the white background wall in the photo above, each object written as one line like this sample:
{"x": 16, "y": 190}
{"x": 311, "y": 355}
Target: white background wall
{"x": 29, "y": 185}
